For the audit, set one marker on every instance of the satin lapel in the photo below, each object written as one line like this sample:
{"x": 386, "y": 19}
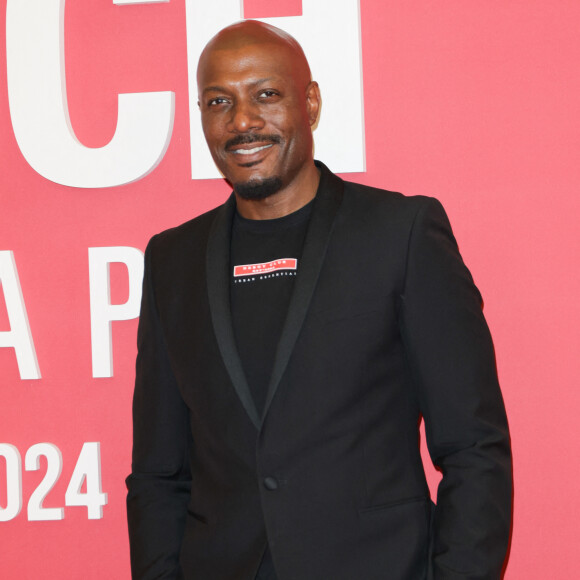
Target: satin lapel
{"x": 326, "y": 204}
{"x": 218, "y": 287}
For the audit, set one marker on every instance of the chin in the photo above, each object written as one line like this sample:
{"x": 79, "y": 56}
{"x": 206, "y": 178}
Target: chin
{"x": 258, "y": 188}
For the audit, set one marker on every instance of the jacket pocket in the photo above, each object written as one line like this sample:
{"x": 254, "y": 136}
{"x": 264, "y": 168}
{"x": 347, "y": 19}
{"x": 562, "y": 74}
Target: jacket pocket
{"x": 378, "y": 509}
{"x": 196, "y": 516}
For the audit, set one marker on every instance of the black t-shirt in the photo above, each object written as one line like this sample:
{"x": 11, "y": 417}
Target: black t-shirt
{"x": 264, "y": 259}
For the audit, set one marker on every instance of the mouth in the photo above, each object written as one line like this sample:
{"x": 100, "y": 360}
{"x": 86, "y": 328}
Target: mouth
{"x": 252, "y": 151}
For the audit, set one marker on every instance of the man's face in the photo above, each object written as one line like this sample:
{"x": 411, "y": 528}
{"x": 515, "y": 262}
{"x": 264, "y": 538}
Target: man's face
{"x": 257, "y": 107}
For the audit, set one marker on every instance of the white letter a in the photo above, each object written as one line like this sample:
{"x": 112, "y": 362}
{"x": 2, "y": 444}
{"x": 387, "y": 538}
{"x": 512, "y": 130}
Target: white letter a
{"x": 19, "y": 336}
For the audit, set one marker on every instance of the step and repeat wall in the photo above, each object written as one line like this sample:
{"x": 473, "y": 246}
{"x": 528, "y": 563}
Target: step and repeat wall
{"x": 476, "y": 103}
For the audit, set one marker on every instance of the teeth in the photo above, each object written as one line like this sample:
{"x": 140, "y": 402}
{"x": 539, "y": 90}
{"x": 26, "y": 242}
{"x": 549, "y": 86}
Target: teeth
{"x": 251, "y": 151}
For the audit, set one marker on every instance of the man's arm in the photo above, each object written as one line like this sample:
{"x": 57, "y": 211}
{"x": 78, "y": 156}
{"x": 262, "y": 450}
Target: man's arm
{"x": 159, "y": 484}
{"x": 451, "y": 355}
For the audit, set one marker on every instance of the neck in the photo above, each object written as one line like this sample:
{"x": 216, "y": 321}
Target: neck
{"x": 286, "y": 201}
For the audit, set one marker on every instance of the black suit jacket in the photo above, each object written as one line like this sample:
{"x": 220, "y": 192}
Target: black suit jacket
{"x": 384, "y": 325}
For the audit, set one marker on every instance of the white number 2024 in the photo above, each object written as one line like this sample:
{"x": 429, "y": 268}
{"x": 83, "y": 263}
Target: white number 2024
{"x": 87, "y": 470}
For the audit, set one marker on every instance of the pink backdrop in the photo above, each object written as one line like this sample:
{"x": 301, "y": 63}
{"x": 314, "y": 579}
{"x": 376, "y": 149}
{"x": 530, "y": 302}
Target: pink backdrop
{"x": 476, "y": 103}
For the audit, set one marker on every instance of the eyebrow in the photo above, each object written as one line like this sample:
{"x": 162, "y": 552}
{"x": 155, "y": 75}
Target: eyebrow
{"x": 218, "y": 89}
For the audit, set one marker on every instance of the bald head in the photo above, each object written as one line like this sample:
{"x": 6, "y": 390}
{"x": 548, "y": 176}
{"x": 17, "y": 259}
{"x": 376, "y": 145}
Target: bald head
{"x": 246, "y": 33}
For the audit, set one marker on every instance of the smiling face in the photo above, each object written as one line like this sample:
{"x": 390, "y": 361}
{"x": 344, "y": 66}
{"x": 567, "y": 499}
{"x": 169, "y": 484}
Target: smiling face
{"x": 257, "y": 107}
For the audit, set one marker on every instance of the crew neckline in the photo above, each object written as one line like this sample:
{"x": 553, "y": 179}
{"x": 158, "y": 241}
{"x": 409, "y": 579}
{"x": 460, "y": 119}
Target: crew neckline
{"x": 292, "y": 219}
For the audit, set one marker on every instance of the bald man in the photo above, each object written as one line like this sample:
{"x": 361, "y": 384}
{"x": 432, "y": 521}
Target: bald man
{"x": 290, "y": 341}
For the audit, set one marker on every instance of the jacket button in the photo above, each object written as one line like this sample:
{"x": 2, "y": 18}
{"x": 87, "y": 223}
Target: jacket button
{"x": 270, "y": 483}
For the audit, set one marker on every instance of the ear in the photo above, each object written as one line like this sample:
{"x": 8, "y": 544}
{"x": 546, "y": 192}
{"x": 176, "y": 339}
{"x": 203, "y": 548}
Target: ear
{"x": 313, "y": 102}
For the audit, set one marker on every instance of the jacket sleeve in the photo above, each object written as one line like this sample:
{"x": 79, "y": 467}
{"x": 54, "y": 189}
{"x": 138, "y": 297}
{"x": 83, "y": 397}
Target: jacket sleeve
{"x": 160, "y": 480}
{"x": 451, "y": 355}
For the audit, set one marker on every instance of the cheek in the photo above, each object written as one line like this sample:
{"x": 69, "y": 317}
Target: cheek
{"x": 214, "y": 144}
{"x": 301, "y": 138}
{"x": 212, "y": 128}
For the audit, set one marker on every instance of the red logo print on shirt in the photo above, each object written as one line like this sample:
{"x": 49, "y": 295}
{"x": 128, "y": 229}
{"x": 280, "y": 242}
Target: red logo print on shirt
{"x": 266, "y": 267}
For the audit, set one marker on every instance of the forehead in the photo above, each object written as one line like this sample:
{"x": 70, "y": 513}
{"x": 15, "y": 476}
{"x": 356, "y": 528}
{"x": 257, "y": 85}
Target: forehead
{"x": 224, "y": 66}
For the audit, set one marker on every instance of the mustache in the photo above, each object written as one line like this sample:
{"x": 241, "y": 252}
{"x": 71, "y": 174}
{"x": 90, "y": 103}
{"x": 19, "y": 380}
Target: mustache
{"x": 243, "y": 139}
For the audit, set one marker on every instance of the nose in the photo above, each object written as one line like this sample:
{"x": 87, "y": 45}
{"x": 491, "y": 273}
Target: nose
{"x": 245, "y": 117}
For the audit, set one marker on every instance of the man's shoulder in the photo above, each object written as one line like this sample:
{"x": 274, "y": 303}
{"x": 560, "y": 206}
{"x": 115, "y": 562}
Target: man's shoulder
{"x": 384, "y": 202}
{"x": 358, "y": 194}
{"x": 190, "y": 233}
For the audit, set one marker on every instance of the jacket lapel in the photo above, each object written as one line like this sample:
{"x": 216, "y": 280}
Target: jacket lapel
{"x": 326, "y": 204}
{"x": 218, "y": 286}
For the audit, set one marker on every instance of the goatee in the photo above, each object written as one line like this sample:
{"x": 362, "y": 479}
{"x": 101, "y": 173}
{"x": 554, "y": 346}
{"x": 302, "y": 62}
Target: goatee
{"x": 257, "y": 189}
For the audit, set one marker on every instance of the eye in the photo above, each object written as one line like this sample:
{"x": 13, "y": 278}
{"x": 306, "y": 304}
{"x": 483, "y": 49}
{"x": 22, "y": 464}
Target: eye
{"x": 216, "y": 101}
{"x": 268, "y": 94}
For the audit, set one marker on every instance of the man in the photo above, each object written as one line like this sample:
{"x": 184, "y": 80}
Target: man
{"x": 289, "y": 342}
